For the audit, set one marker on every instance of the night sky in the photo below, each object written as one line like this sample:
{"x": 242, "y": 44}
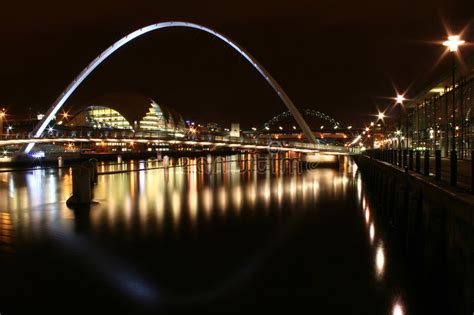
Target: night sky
{"x": 339, "y": 57}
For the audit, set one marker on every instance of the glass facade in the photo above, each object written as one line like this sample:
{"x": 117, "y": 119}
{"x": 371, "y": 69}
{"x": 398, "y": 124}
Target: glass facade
{"x": 155, "y": 120}
{"x": 103, "y": 117}
{"x": 429, "y": 123}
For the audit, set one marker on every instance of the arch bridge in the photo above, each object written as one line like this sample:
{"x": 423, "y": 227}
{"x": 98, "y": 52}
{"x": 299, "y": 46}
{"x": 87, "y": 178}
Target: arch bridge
{"x": 39, "y": 129}
{"x": 305, "y": 112}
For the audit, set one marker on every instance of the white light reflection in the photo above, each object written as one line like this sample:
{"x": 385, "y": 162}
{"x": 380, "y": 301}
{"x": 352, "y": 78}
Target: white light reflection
{"x": 372, "y": 232}
{"x": 380, "y": 261}
{"x": 237, "y": 197}
{"x": 207, "y": 202}
{"x": 398, "y": 309}
{"x": 193, "y": 194}
{"x": 176, "y": 207}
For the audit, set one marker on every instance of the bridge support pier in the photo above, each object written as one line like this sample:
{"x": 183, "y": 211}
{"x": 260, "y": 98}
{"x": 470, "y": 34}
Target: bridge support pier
{"x": 81, "y": 187}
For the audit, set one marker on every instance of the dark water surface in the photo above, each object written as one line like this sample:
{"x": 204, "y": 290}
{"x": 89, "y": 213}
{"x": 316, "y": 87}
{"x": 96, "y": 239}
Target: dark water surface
{"x": 165, "y": 241}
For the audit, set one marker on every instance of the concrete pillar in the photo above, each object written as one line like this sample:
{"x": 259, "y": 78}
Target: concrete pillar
{"x": 166, "y": 161}
{"x": 81, "y": 187}
{"x": 119, "y": 158}
{"x": 90, "y": 166}
{"x": 158, "y": 156}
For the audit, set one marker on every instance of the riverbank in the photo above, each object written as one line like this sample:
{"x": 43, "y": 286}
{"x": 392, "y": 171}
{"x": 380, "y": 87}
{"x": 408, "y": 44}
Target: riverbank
{"x": 433, "y": 222}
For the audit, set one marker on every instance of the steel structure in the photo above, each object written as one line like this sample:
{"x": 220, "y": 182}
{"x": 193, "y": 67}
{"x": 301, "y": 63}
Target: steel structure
{"x": 50, "y": 114}
{"x": 305, "y": 112}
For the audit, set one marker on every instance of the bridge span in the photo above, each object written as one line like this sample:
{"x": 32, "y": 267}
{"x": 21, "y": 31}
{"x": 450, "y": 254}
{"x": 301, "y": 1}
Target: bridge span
{"x": 237, "y": 144}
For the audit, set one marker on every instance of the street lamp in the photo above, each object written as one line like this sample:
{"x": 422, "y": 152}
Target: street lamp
{"x": 453, "y": 43}
{"x": 399, "y": 99}
{"x": 380, "y": 116}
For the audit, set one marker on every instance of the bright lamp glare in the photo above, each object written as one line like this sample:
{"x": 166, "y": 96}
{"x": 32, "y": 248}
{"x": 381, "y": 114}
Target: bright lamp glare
{"x": 400, "y": 98}
{"x": 453, "y": 43}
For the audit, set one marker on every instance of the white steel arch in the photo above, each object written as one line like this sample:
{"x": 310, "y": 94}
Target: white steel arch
{"x": 41, "y": 126}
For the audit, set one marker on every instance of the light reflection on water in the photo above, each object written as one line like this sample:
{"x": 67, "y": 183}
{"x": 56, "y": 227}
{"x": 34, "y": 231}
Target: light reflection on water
{"x": 173, "y": 203}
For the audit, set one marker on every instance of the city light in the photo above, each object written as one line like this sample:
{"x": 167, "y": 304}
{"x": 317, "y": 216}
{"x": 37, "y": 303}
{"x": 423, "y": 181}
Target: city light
{"x": 400, "y": 99}
{"x": 453, "y": 43}
{"x": 380, "y": 116}
{"x": 254, "y": 129}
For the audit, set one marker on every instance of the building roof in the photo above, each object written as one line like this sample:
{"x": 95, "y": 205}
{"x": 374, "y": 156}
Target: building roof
{"x": 133, "y": 107}
{"x": 438, "y": 85}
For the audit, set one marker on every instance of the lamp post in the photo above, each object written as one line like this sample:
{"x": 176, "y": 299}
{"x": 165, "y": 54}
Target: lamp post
{"x": 399, "y": 101}
{"x": 453, "y": 44}
{"x": 381, "y": 116}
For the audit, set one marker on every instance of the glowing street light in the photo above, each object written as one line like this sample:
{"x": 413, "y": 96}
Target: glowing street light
{"x": 65, "y": 115}
{"x": 453, "y": 43}
{"x": 400, "y": 99}
{"x": 380, "y": 116}
{"x": 254, "y": 129}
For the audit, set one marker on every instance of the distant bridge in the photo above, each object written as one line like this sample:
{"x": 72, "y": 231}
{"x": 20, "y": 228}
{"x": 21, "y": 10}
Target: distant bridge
{"x": 305, "y": 112}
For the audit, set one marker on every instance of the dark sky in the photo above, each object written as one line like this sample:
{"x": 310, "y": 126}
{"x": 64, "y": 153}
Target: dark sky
{"x": 339, "y": 57}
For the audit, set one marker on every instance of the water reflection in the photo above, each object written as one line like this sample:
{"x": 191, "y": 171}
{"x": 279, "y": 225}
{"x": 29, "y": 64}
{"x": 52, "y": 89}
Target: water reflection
{"x": 380, "y": 260}
{"x": 161, "y": 209}
{"x": 398, "y": 309}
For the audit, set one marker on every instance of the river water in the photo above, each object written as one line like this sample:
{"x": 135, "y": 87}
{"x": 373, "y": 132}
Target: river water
{"x": 234, "y": 239}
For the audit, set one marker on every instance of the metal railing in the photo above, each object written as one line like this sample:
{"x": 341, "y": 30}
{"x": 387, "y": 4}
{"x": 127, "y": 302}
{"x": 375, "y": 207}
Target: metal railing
{"x": 422, "y": 161}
